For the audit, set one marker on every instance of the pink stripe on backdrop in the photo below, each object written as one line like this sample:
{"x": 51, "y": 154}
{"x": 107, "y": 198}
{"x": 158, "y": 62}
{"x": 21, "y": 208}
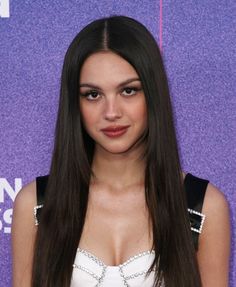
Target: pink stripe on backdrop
{"x": 160, "y": 26}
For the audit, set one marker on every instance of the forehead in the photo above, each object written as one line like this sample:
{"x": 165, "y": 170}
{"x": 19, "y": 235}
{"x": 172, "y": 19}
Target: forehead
{"x": 106, "y": 66}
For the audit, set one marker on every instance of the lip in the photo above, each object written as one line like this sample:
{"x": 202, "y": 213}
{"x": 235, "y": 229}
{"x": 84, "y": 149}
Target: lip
{"x": 115, "y": 131}
{"x": 114, "y": 128}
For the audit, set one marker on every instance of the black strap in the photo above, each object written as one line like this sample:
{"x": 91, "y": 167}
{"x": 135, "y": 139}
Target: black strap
{"x": 195, "y": 189}
{"x": 41, "y": 184}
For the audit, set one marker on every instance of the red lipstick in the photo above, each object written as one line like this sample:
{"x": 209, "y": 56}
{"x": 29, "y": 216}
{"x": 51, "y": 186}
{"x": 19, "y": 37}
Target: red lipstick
{"x": 114, "y": 131}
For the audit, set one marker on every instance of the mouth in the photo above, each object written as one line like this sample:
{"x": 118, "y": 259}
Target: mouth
{"x": 115, "y": 131}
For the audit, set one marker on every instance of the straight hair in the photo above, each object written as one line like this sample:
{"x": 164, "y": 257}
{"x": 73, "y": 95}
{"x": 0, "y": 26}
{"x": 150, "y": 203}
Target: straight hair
{"x": 66, "y": 199}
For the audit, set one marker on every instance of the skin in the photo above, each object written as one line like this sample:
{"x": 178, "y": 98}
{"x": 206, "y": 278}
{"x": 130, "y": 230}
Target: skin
{"x": 116, "y": 225}
{"x": 116, "y": 213}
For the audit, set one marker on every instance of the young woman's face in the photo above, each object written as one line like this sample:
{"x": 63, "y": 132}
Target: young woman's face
{"x": 112, "y": 102}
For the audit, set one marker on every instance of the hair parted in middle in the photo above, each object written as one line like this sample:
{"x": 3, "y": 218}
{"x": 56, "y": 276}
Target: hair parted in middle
{"x": 65, "y": 206}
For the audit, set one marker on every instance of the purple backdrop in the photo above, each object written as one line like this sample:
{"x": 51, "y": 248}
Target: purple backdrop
{"x": 198, "y": 44}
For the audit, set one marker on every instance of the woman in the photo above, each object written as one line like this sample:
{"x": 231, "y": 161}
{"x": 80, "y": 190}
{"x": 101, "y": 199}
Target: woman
{"x": 115, "y": 187}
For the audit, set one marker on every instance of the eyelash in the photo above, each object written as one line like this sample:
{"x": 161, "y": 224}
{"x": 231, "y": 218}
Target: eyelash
{"x": 90, "y": 92}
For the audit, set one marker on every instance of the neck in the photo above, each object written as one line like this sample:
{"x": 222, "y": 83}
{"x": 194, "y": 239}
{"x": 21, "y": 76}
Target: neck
{"x": 118, "y": 170}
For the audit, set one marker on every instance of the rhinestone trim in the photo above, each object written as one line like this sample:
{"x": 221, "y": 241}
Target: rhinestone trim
{"x": 35, "y": 213}
{"x": 135, "y": 275}
{"x": 87, "y": 271}
{"x": 123, "y": 276}
{"x": 203, "y": 217}
{"x": 104, "y": 266}
{"x": 91, "y": 256}
{"x": 100, "y": 263}
{"x": 131, "y": 259}
{"x": 99, "y": 279}
{"x": 102, "y": 277}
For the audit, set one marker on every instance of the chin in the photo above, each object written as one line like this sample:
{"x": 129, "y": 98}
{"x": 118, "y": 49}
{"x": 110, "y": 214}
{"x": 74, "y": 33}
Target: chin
{"x": 115, "y": 150}
{"x": 119, "y": 149}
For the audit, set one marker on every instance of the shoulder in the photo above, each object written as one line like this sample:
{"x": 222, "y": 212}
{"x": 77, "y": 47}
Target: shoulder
{"x": 216, "y": 209}
{"x": 215, "y": 204}
{"x": 23, "y": 215}
{"x": 214, "y": 241}
{"x": 23, "y": 234}
{"x": 26, "y": 198}
{"x": 23, "y": 210}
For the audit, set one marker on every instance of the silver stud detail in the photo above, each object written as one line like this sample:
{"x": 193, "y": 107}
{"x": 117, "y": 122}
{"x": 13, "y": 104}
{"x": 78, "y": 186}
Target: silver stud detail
{"x": 100, "y": 279}
{"x": 203, "y": 217}
{"x": 123, "y": 276}
{"x": 91, "y": 256}
{"x": 136, "y": 257}
{"x": 35, "y": 213}
{"x": 87, "y": 271}
{"x": 135, "y": 275}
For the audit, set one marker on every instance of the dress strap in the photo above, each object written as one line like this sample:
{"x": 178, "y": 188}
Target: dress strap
{"x": 195, "y": 189}
{"x": 41, "y": 184}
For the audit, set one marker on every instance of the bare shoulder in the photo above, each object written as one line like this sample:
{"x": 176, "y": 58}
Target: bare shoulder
{"x": 214, "y": 241}
{"x": 23, "y": 235}
{"x": 216, "y": 209}
{"x": 26, "y": 197}
{"x": 215, "y": 201}
{"x": 23, "y": 219}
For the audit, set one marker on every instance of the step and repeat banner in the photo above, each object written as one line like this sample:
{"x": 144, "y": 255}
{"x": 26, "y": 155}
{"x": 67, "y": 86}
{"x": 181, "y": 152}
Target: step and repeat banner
{"x": 197, "y": 40}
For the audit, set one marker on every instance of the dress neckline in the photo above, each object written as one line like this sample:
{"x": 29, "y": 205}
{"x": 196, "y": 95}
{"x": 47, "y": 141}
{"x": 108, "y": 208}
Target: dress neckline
{"x": 126, "y": 262}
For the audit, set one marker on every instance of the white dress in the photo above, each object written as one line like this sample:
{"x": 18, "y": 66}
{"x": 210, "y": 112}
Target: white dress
{"x": 90, "y": 271}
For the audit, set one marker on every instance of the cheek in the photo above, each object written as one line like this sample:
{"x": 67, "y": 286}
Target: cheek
{"x": 139, "y": 112}
{"x": 89, "y": 116}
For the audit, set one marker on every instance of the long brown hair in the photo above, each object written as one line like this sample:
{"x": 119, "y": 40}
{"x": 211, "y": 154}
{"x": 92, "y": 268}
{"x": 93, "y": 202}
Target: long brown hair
{"x": 66, "y": 199}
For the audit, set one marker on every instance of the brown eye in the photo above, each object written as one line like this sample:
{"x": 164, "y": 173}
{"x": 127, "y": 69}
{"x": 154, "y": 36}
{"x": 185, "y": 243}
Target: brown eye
{"x": 129, "y": 91}
{"x": 91, "y": 95}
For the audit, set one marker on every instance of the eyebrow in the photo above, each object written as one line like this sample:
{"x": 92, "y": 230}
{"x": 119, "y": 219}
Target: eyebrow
{"x": 90, "y": 85}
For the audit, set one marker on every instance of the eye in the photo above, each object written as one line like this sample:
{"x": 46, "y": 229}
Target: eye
{"x": 92, "y": 95}
{"x": 130, "y": 91}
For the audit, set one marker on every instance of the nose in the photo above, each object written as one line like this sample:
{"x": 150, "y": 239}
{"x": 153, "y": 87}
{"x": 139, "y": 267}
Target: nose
{"x": 112, "y": 109}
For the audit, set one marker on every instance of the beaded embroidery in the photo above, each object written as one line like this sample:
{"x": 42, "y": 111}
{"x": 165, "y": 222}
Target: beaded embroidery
{"x": 100, "y": 278}
{"x": 195, "y": 223}
{"x": 35, "y": 213}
